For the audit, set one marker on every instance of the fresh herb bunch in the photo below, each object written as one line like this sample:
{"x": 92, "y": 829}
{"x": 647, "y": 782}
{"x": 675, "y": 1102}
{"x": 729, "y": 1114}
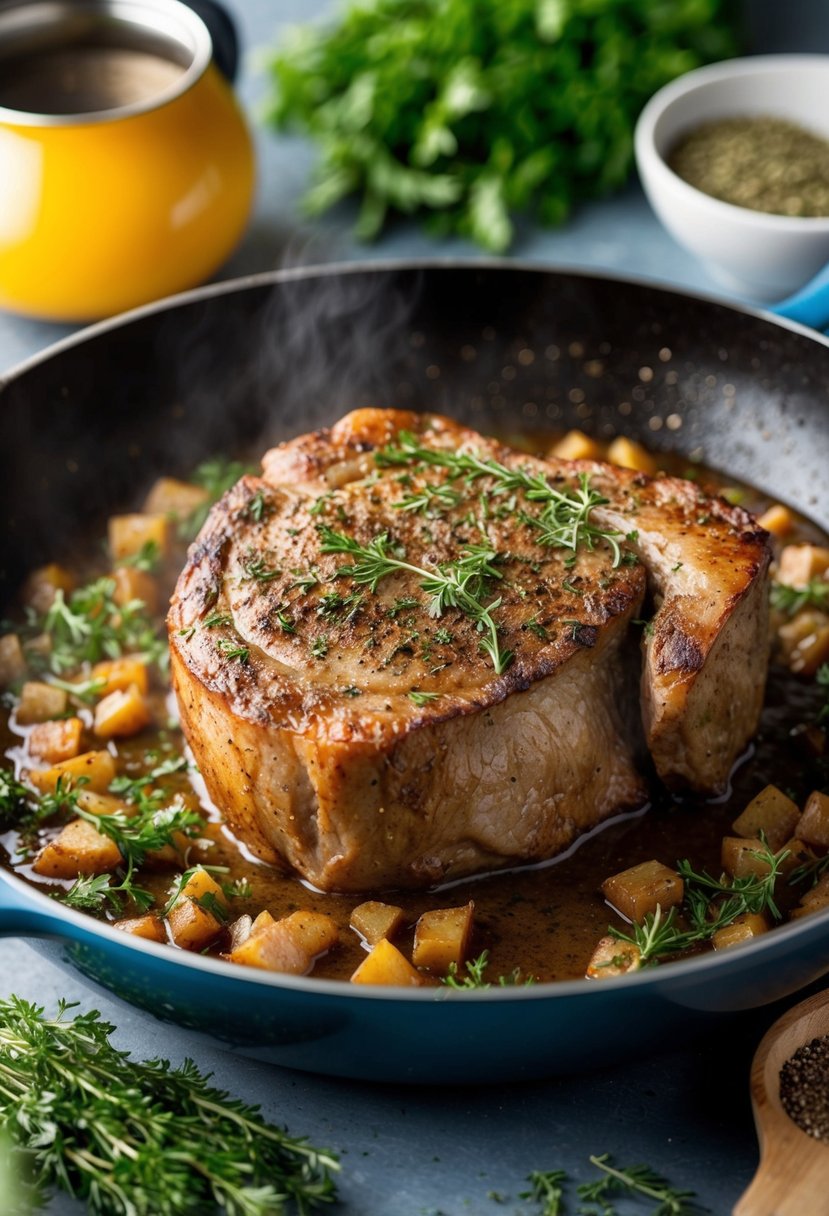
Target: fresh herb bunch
{"x": 141, "y": 1139}
{"x": 473, "y": 110}
{"x": 548, "y": 1189}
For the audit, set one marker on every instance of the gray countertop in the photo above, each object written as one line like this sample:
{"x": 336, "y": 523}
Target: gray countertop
{"x": 460, "y": 1152}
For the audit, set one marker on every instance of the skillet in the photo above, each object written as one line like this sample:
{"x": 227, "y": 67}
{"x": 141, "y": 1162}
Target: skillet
{"x": 86, "y": 427}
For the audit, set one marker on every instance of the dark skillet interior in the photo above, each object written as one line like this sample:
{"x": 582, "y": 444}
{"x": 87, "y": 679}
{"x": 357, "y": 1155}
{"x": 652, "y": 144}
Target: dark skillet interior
{"x": 500, "y": 347}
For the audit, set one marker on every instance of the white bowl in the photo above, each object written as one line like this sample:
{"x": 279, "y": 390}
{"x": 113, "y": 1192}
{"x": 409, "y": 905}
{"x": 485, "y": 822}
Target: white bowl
{"x": 752, "y": 252}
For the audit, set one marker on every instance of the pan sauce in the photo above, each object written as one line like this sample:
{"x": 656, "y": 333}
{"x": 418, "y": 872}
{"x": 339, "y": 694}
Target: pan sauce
{"x": 546, "y": 920}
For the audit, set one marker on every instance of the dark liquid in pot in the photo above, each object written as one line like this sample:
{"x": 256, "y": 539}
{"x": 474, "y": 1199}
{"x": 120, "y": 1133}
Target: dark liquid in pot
{"x": 84, "y": 80}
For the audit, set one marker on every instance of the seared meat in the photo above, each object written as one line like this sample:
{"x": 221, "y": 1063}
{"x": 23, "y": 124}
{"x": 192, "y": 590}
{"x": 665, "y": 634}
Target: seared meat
{"x": 345, "y": 729}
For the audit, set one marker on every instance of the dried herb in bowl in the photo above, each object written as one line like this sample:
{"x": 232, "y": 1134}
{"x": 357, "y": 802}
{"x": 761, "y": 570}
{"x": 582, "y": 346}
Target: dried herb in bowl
{"x": 474, "y": 110}
{"x": 758, "y": 162}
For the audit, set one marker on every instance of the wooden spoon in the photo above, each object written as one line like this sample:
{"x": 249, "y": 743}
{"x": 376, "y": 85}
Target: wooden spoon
{"x": 793, "y": 1176}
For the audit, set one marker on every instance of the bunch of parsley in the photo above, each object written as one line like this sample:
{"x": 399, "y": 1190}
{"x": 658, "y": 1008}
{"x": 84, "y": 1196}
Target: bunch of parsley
{"x": 474, "y": 110}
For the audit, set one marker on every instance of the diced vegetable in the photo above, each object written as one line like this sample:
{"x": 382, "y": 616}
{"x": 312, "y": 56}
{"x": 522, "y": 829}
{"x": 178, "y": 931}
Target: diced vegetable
{"x": 289, "y": 945}
{"x": 56, "y": 742}
{"x": 200, "y": 884}
{"x": 150, "y": 927}
{"x": 12, "y": 660}
{"x": 813, "y": 901}
{"x": 740, "y": 859}
{"x": 102, "y": 804}
{"x": 441, "y": 938}
{"x": 40, "y": 702}
{"x": 192, "y": 927}
{"x": 644, "y": 888}
{"x": 239, "y": 930}
{"x": 174, "y": 498}
{"x": 121, "y": 714}
{"x": 799, "y": 854}
{"x": 129, "y": 534}
{"x": 132, "y": 584}
{"x": 262, "y": 921}
{"x": 631, "y": 455}
{"x": 777, "y": 519}
{"x": 771, "y": 813}
{"x": 386, "y": 965}
{"x": 813, "y": 826}
{"x": 119, "y": 674}
{"x": 374, "y": 920}
{"x": 612, "y": 957}
{"x": 575, "y": 445}
{"x": 98, "y": 769}
{"x": 42, "y": 584}
{"x": 78, "y": 849}
{"x": 804, "y": 641}
{"x": 799, "y": 564}
{"x": 742, "y": 929}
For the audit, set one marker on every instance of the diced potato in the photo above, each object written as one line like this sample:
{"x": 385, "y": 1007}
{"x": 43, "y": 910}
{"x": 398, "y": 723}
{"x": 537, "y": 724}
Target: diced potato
{"x": 771, "y": 813}
{"x": 262, "y": 921}
{"x": 644, "y": 888}
{"x": 132, "y": 584}
{"x": 119, "y": 674}
{"x": 818, "y": 896}
{"x": 289, "y": 945}
{"x": 128, "y": 534}
{"x": 739, "y": 857}
{"x": 742, "y": 929}
{"x": 804, "y": 641}
{"x": 55, "y": 742}
{"x": 612, "y": 957}
{"x": 441, "y": 938}
{"x": 799, "y": 564}
{"x": 97, "y": 767}
{"x": 102, "y": 804}
{"x": 12, "y": 660}
{"x": 40, "y": 702}
{"x": 575, "y": 445}
{"x": 179, "y": 499}
{"x": 813, "y": 826}
{"x": 42, "y": 584}
{"x": 386, "y": 965}
{"x": 798, "y": 854}
{"x": 777, "y": 519}
{"x": 150, "y": 927}
{"x": 192, "y": 927}
{"x": 121, "y": 714}
{"x": 631, "y": 455}
{"x": 79, "y": 849}
{"x": 201, "y": 883}
{"x": 374, "y": 920}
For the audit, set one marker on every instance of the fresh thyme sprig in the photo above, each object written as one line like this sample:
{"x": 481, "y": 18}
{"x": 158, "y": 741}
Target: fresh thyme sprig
{"x": 564, "y": 521}
{"x": 474, "y": 977}
{"x": 142, "y": 1138}
{"x": 546, "y": 1188}
{"x": 709, "y": 904}
{"x": 635, "y": 1180}
{"x": 790, "y": 600}
{"x": 460, "y": 584}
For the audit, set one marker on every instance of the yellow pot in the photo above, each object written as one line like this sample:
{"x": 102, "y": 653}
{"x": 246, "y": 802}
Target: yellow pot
{"x": 145, "y": 188}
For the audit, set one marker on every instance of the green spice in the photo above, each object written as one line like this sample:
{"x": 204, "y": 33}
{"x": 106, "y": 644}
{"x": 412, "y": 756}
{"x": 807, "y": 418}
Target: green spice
{"x": 233, "y": 651}
{"x": 143, "y": 1139}
{"x": 422, "y": 698}
{"x": 759, "y": 162}
{"x": 90, "y": 626}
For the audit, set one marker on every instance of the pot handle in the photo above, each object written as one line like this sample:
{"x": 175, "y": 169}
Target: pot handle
{"x": 223, "y": 33}
{"x": 809, "y": 305}
{"x": 19, "y": 918}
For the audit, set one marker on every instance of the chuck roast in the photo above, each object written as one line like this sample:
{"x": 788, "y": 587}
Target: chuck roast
{"x": 359, "y": 731}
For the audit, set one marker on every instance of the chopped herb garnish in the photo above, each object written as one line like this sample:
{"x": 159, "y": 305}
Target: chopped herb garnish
{"x": 422, "y": 698}
{"x": 231, "y": 650}
{"x": 89, "y": 626}
{"x": 791, "y": 600}
{"x": 147, "y": 558}
{"x": 216, "y": 476}
{"x": 457, "y": 585}
{"x": 217, "y": 620}
{"x": 319, "y": 646}
{"x": 256, "y": 569}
